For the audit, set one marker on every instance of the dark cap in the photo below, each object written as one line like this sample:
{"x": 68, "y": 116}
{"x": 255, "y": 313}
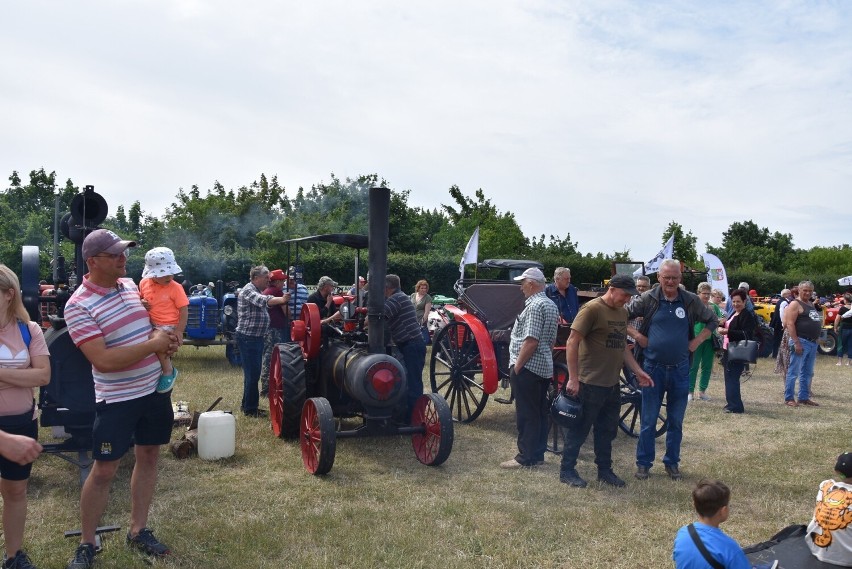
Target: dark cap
{"x": 625, "y": 283}
{"x": 844, "y": 464}
{"x": 104, "y": 241}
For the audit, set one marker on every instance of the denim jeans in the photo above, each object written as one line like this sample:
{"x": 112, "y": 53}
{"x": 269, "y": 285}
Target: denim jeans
{"x": 733, "y": 397}
{"x": 251, "y": 350}
{"x": 413, "y": 358}
{"x": 531, "y": 413}
{"x": 601, "y": 410}
{"x": 801, "y": 367}
{"x": 671, "y": 381}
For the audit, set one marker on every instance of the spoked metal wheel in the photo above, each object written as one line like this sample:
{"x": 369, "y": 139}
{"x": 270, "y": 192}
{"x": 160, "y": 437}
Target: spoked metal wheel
{"x": 286, "y": 389}
{"x": 318, "y": 437}
{"x": 455, "y": 371}
{"x": 555, "y": 438}
{"x": 433, "y": 446}
{"x": 631, "y": 409}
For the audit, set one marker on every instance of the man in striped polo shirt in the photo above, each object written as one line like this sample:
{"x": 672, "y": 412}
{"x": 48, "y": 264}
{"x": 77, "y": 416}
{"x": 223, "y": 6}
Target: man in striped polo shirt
{"x": 107, "y": 322}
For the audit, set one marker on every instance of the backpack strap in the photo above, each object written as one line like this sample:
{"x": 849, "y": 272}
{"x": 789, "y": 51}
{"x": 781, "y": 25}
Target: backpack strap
{"x": 693, "y": 533}
{"x": 25, "y": 332}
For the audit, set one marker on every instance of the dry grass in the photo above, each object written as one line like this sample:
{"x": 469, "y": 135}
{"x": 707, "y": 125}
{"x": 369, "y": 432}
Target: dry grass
{"x": 379, "y": 507}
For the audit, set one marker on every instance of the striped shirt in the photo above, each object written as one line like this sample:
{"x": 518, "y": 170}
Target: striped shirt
{"x": 298, "y": 297}
{"x": 402, "y": 319}
{"x": 537, "y": 320}
{"x": 116, "y": 315}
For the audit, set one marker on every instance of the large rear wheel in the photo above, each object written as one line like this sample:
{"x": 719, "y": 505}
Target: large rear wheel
{"x": 286, "y": 389}
{"x": 455, "y": 371}
{"x": 433, "y": 446}
{"x": 631, "y": 409}
{"x": 827, "y": 343}
{"x": 317, "y": 436}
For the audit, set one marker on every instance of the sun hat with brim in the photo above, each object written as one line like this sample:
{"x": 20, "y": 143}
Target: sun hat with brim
{"x": 160, "y": 262}
{"x": 104, "y": 241}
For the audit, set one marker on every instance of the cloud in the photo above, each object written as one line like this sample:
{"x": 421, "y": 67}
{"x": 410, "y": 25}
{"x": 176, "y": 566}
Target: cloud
{"x": 605, "y": 120}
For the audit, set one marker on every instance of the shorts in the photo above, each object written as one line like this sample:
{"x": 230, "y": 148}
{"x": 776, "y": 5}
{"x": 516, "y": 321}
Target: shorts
{"x": 12, "y": 470}
{"x": 143, "y": 421}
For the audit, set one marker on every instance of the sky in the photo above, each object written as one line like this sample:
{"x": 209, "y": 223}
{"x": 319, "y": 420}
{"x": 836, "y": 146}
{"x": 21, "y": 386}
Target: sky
{"x": 602, "y": 120}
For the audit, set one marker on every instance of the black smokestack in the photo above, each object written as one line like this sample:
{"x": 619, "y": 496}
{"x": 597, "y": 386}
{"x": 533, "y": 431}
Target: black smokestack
{"x": 378, "y": 266}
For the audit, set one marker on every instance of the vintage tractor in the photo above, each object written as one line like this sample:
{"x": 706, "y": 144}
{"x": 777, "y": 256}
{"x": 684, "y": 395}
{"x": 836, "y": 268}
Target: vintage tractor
{"x": 329, "y": 374}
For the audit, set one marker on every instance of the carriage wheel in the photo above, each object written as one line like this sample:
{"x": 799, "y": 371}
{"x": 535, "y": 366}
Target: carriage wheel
{"x": 456, "y": 371}
{"x": 311, "y": 333}
{"x": 554, "y": 436}
{"x": 631, "y": 409}
{"x": 433, "y": 446}
{"x": 286, "y": 389}
{"x": 317, "y": 436}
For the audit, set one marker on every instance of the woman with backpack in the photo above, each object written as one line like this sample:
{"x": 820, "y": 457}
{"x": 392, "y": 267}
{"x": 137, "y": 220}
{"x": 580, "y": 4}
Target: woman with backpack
{"x": 24, "y": 365}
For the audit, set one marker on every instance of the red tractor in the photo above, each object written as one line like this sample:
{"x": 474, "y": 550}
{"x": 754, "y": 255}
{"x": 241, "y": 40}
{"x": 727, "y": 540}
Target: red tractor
{"x": 332, "y": 373}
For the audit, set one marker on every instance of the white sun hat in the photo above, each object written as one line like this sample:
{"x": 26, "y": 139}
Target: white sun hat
{"x": 160, "y": 262}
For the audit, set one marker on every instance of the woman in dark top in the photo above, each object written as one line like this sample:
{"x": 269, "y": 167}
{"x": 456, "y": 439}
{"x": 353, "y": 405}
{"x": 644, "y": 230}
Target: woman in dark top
{"x": 843, "y": 330}
{"x": 740, "y": 326}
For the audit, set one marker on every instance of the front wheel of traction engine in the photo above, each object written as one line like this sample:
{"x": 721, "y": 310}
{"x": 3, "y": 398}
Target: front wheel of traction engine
{"x": 318, "y": 437}
{"x": 286, "y": 389}
{"x": 432, "y": 447}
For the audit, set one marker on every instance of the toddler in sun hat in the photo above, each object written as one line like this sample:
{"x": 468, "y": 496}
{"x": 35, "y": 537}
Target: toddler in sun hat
{"x": 166, "y": 302}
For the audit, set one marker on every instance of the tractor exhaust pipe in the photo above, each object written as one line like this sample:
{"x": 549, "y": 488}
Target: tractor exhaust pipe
{"x": 377, "y": 266}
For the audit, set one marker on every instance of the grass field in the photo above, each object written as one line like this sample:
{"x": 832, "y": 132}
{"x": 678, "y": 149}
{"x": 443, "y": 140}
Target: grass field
{"x": 379, "y": 507}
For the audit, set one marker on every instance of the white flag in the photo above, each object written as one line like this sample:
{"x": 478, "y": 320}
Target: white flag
{"x": 716, "y": 273}
{"x": 471, "y": 252}
{"x": 652, "y": 266}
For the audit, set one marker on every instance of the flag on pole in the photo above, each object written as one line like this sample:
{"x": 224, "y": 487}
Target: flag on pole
{"x": 716, "y": 273}
{"x": 471, "y": 252}
{"x": 652, "y": 266}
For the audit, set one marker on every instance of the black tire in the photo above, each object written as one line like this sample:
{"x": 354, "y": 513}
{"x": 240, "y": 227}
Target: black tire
{"x": 827, "y": 345}
{"x": 631, "y": 409}
{"x": 293, "y": 385}
{"x": 455, "y": 371}
{"x": 433, "y": 446}
{"x": 317, "y": 436}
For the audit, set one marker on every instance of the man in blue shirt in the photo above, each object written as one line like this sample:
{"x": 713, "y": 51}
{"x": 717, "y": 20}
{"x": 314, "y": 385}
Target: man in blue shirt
{"x": 564, "y": 294}
{"x": 666, "y": 342}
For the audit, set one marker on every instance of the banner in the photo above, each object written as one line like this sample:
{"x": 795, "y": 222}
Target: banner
{"x": 652, "y": 266}
{"x": 716, "y": 273}
{"x": 471, "y": 252}
{"x": 845, "y": 281}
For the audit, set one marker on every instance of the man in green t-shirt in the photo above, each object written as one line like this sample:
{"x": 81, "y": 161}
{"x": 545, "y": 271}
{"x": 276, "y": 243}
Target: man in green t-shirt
{"x": 596, "y": 351}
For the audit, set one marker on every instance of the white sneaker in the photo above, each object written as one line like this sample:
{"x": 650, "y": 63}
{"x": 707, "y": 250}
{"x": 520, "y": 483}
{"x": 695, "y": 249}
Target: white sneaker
{"x": 689, "y": 397}
{"x": 703, "y": 396}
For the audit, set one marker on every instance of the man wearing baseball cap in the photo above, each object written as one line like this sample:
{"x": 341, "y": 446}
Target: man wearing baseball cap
{"x": 108, "y": 323}
{"x": 596, "y": 351}
{"x": 531, "y": 369}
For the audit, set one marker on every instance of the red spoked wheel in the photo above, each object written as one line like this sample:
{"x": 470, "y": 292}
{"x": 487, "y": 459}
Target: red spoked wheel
{"x": 455, "y": 371}
{"x": 287, "y": 386}
{"x": 433, "y": 446}
{"x": 317, "y": 437}
{"x": 313, "y": 330}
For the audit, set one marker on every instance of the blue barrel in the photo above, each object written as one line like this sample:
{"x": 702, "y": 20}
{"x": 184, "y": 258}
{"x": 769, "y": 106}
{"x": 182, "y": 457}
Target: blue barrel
{"x": 203, "y": 320}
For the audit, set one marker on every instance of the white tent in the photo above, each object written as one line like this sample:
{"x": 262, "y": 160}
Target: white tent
{"x": 845, "y": 281}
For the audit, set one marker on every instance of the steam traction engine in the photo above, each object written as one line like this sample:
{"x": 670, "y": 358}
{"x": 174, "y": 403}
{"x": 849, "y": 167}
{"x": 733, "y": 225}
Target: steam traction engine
{"x": 329, "y": 374}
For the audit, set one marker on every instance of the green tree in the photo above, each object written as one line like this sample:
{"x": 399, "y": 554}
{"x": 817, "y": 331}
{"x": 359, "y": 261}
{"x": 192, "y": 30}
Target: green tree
{"x": 684, "y": 243}
{"x": 744, "y": 243}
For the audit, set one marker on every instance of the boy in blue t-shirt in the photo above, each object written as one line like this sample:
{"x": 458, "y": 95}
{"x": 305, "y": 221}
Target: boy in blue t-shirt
{"x": 710, "y": 499}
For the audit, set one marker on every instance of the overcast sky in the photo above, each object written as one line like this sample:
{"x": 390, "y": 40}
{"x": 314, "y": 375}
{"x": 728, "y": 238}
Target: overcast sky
{"x": 605, "y": 120}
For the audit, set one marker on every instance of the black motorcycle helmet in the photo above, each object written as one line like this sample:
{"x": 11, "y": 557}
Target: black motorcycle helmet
{"x": 566, "y": 411}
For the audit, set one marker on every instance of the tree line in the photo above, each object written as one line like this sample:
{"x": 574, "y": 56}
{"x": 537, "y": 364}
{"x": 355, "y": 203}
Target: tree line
{"x": 219, "y": 233}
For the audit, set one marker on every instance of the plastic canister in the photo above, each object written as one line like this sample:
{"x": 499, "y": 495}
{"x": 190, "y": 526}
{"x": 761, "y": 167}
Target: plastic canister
{"x": 216, "y": 435}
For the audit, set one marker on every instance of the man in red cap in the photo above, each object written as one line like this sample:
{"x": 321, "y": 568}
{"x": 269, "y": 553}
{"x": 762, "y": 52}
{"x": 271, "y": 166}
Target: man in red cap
{"x": 279, "y": 326}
